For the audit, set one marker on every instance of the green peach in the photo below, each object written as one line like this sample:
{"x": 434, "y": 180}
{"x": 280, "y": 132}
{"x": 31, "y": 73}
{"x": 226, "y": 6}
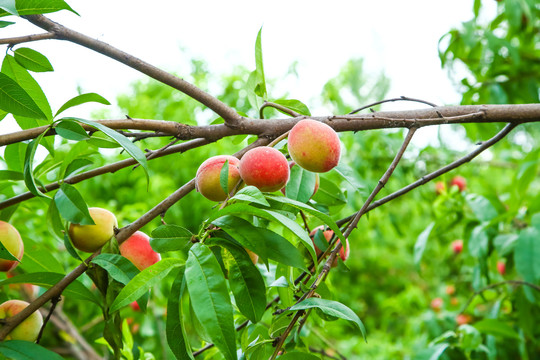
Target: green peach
{"x": 28, "y": 329}
{"x": 11, "y": 239}
{"x": 314, "y": 146}
{"x": 90, "y": 238}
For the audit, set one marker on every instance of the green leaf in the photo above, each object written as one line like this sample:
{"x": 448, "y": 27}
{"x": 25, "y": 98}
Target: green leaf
{"x": 71, "y": 130}
{"x": 260, "y": 88}
{"x": 176, "y": 333}
{"x": 251, "y": 194}
{"x": 117, "y": 266}
{"x": 497, "y": 328}
{"x": 9, "y": 6}
{"x": 262, "y": 241}
{"x": 34, "y": 261}
{"x": 32, "y": 60}
{"x": 4, "y": 24}
{"x": 82, "y": 99}
{"x": 245, "y": 281}
{"x": 15, "y": 100}
{"x": 295, "y": 105}
{"x": 210, "y": 298}
{"x": 329, "y": 193}
{"x": 5, "y": 254}
{"x": 301, "y": 184}
{"x": 11, "y": 175}
{"x": 25, "y": 350}
{"x": 224, "y": 177}
{"x": 421, "y": 242}
{"x": 332, "y": 308}
{"x": 72, "y": 206}
{"x": 481, "y": 207}
{"x": 297, "y": 355}
{"x": 21, "y": 76}
{"x": 170, "y": 238}
{"x": 143, "y": 281}
{"x": 76, "y": 166}
{"x": 29, "y": 165}
{"x": 75, "y": 290}
{"x": 123, "y": 141}
{"x": 527, "y": 254}
{"x": 30, "y": 7}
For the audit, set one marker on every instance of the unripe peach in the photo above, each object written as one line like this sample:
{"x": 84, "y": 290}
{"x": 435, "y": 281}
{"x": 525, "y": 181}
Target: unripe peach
{"x": 11, "y": 239}
{"x": 344, "y": 252}
{"x": 457, "y": 246}
{"x": 460, "y": 182}
{"x": 265, "y": 168}
{"x": 28, "y": 329}
{"x": 450, "y": 289}
{"x": 137, "y": 249}
{"x": 90, "y": 238}
{"x": 314, "y": 146}
{"x": 317, "y": 180}
{"x": 440, "y": 187}
{"x": 207, "y": 179}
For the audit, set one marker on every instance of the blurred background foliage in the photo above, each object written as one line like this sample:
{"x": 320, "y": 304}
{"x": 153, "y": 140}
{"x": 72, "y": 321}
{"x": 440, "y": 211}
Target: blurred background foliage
{"x": 401, "y": 253}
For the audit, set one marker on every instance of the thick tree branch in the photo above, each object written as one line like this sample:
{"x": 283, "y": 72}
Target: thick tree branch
{"x": 515, "y": 114}
{"x": 63, "y": 33}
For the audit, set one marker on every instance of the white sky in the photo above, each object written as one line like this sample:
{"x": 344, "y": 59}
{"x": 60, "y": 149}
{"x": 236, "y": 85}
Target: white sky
{"x": 398, "y": 37}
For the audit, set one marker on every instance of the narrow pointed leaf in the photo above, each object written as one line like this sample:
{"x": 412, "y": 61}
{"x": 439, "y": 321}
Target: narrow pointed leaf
{"x": 32, "y": 60}
{"x": 29, "y": 167}
{"x": 260, "y": 88}
{"x": 9, "y": 6}
{"x": 170, "y": 238}
{"x": 15, "y": 100}
{"x": 210, "y": 298}
{"x": 71, "y": 130}
{"x": 251, "y": 194}
{"x": 527, "y": 254}
{"x": 72, "y": 206}
{"x": 118, "y": 267}
{"x": 143, "y": 281}
{"x": 332, "y": 308}
{"x": 175, "y": 330}
{"x": 82, "y": 99}
{"x": 295, "y": 105}
{"x": 25, "y": 350}
{"x": 5, "y": 254}
{"x": 224, "y": 177}
{"x": 30, "y": 7}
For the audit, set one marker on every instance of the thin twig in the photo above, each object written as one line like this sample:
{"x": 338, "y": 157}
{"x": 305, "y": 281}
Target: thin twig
{"x": 27, "y": 38}
{"x": 286, "y": 110}
{"x": 492, "y": 286}
{"x": 401, "y": 98}
{"x": 54, "y": 302}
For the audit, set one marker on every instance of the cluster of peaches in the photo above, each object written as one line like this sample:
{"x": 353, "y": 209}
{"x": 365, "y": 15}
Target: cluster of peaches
{"x": 87, "y": 238}
{"x": 312, "y": 145}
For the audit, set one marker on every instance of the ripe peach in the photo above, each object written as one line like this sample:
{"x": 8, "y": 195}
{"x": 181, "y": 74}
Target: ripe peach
{"x": 462, "y": 319}
{"x": 501, "y": 267}
{"x": 207, "y": 178}
{"x": 265, "y": 168}
{"x": 450, "y": 289}
{"x": 28, "y": 329}
{"x": 135, "y": 306}
{"x": 314, "y": 146}
{"x": 437, "y": 304}
{"x": 90, "y": 238}
{"x": 457, "y": 246}
{"x": 137, "y": 249}
{"x": 11, "y": 240}
{"x": 344, "y": 252}
{"x": 460, "y": 182}
{"x": 291, "y": 164}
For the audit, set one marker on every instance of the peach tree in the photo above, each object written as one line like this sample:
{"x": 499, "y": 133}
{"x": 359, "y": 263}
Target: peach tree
{"x": 244, "y": 283}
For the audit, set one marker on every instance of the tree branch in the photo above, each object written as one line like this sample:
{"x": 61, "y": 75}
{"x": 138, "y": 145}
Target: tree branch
{"x": 27, "y": 38}
{"x": 61, "y": 32}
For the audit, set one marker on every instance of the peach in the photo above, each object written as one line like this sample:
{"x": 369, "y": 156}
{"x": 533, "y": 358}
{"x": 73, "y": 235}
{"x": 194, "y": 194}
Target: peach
{"x": 462, "y": 319}
{"x": 314, "y": 146}
{"x": 460, "y": 182}
{"x": 207, "y": 179}
{"x": 90, "y": 238}
{"x": 291, "y": 164}
{"x": 440, "y": 187}
{"x": 501, "y": 267}
{"x": 28, "y": 329}
{"x": 11, "y": 240}
{"x": 437, "y": 304}
{"x": 457, "y": 246}
{"x": 344, "y": 252}
{"x": 137, "y": 249}
{"x": 265, "y": 168}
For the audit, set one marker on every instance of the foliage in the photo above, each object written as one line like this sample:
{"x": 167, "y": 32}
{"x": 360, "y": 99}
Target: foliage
{"x": 206, "y": 288}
